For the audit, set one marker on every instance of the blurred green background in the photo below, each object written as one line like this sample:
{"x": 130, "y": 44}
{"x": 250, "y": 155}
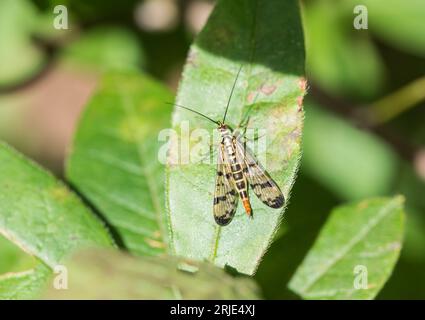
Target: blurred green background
{"x": 365, "y": 112}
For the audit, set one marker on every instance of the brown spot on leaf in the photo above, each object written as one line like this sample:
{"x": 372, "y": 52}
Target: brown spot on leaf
{"x": 300, "y": 102}
{"x": 303, "y": 84}
{"x": 251, "y": 96}
{"x": 268, "y": 89}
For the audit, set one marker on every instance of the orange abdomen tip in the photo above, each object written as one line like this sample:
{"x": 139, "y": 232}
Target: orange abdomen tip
{"x": 247, "y": 206}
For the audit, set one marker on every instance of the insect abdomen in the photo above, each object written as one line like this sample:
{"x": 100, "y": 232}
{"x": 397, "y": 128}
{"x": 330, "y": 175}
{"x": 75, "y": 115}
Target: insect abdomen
{"x": 237, "y": 173}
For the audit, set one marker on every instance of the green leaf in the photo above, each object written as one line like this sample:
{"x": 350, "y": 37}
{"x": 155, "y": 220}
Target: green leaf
{"x": 114, "y": 159}
{"x": 26, "y": 284}
{"x": 363, "y": 237}
{"x": 306, "y": 214}
{"x": 148, "y": 278}
{"x": 266, "y": 38}
{"x": 407, "y": 33}
{"x": 105, "y": 49}
{"x": 13, "y": 259}
{"x": 21, "y": 275}
{"x": 408, "y": 280}
{"x": 41, "y": 216}
{"x": 352, "y": 163}
{"x": 19, "y": 58}
{"x": 339, "y": 57}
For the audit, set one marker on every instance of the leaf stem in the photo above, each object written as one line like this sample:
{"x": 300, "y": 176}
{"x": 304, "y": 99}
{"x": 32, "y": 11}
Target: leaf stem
{"x": 398, "y": 102}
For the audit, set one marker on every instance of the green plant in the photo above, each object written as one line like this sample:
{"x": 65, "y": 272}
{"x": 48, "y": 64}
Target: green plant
{"x": 155, "y": 212}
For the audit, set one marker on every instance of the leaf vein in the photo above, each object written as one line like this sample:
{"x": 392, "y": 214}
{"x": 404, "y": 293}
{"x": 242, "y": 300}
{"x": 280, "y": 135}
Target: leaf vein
{"x": 354, "y": 241}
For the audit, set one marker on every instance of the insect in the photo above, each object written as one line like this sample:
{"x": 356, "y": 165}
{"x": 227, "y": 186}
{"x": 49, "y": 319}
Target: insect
{"x": 236, "y": 168}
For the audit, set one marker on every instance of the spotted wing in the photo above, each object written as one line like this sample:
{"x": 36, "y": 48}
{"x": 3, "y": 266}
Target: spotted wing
{"x": 260, "y": 181}
{"x": 225, "y": 196}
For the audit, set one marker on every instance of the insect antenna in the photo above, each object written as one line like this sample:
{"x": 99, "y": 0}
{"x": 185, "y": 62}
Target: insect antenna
{"x": 231, "y": 93}
{"x": 197, "y": 112}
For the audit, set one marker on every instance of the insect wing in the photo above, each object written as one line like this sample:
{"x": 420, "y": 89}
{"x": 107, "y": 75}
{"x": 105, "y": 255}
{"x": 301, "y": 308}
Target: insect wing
{"x": 260, "y": 181}
{"x": 225, "y": 196}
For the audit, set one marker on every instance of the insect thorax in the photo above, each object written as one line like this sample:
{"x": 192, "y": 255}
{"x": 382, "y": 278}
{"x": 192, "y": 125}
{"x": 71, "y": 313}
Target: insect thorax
{"x": 224, "y": 130}
{"x": 226, "y": 137}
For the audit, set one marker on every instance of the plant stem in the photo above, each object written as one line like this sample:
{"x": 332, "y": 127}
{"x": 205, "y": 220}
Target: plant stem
{"x": 398, "y": 102}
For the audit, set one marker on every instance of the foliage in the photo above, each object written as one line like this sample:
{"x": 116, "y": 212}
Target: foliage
{"x": 114, "y": 163}
{"x": 270, "y": 90}
{"x": 363, "y": 239}
{"x": 362, "y": 143}
{"x": 46, "y": 220}
{"x": 148, "y": 278}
